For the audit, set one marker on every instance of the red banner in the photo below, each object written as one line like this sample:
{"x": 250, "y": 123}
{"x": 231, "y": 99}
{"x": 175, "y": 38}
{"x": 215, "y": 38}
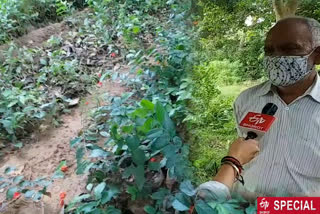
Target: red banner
{"x": 288, "y": 205}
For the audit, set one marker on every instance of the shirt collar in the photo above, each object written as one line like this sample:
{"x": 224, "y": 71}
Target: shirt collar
{"x": 313, "y": 91}
{"x": 265, "y": 89}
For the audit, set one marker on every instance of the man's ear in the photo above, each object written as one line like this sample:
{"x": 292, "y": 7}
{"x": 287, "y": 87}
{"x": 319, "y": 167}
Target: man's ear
{"x": 317, "y": 56}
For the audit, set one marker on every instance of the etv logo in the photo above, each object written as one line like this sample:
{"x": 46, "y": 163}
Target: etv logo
{"x": 257, "y": 119}
{"x": 264, "y": 204}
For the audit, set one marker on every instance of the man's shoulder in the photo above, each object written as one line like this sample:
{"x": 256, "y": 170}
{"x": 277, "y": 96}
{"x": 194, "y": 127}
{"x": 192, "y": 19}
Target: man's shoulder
{"x": 253, "y": 92}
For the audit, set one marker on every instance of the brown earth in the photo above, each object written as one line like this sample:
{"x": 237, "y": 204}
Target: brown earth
{"x": 37, "y": 37}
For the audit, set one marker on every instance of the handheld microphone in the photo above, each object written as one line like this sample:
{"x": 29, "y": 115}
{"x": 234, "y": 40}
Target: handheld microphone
{"x": 257, "y": 124}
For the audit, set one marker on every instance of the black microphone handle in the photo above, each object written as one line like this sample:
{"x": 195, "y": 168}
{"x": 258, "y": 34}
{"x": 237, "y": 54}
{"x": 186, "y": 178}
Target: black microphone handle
{"x": 251, "y": 135}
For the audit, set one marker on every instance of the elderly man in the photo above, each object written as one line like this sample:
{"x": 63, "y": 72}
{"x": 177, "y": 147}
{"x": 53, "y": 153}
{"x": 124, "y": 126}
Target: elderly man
{"x": 289, "y": 157}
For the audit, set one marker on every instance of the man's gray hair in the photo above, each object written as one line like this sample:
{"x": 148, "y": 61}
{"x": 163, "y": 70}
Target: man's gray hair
{"x": 314, "y": 26}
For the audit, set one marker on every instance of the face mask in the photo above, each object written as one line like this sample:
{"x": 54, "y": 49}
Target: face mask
{"x": 287, "y": 70}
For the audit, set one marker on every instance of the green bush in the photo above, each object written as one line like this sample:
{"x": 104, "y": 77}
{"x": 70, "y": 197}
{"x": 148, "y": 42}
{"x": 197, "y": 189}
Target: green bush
{"x": 223, "y": 72}
{"x": 310, "y": 8}
{"x": 17, "y": 16}
{"x": 224, "y": 35}
{"x": 213, "y": 127}
{"x": 206, "y": 153}
{"x": 38, "y": 85}
{"x": 211, "y": 120}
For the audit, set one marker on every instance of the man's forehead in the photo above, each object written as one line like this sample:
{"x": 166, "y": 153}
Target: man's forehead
{"x": 292, "y": 30}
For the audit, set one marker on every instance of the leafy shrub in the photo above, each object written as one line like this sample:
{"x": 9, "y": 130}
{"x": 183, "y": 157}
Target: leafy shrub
{"x": 212, "y": 128}
{"x": 18, "y": 109}
{"x": 39, "y": 84}
{"x": 211, "y": 121}
{"x": 17, "y": 16}
{"x": 309, "y": 8}
{"x": 224, "y": 35}
{"x": 15, "y": 184}
{"x": 144, "y": 147}
{"x": 222, "y": 72}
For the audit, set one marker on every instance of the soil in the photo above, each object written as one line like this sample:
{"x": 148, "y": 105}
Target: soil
{"x": 37, "y": 37}
{"x": 50, "y": 145}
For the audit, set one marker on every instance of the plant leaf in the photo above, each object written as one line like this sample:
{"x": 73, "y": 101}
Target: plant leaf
{"x": 11, "y": 192}
{"x": 138, "y": 156}
{"x": 99, "y": 153}
{"x": 161, "y": 194}
{"x": 179, "y": 206}
{"x": 181, "y": 202}
{"x": 29, "y": 193}
{"x": 89, "y": 187}
{"x": 75, "y": 141}
{"x": 108, "y": 195}
{"x": 99, "y": 189}
{"x": 136, "y": 29}
{"x": 187, "y": 188}
{"x": 150, "y": 210}
{"x": 9, "y": 169}
{"x": 154, "y": 133}
{"x": 139, "y": 176}
{"x": 133, "y": 142}
{"x": 203, "y": 208}
{"x": 104, "y": 134}
{"x": 161, "y": 142}
{"x": 87, "y": 208}
{"x": 18, "y": 179}
{"x": 147, "y": 104}
{"x": 160, "y": 112}
{"x": 155, "y": 166}
{"x": 133, "y": 191}
{"x": 112, "y": 210}
{"x": 80, "y": 198}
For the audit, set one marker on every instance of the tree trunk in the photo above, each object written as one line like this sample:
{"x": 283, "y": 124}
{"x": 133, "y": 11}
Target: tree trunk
{"x": 285, "y": 8}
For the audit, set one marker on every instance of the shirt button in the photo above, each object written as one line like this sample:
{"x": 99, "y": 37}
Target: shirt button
{"x": 287, "y": 108}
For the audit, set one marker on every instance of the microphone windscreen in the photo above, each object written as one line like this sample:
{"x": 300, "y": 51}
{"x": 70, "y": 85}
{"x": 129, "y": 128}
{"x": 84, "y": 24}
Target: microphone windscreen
{"x": 270, "y": 109}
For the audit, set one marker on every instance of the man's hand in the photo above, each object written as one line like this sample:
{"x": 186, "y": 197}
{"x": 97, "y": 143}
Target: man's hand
{"x": 244, "y": 150}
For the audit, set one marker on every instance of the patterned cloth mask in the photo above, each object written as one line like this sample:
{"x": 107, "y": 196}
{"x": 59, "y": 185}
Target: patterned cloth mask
{"x": 287, "y": 70}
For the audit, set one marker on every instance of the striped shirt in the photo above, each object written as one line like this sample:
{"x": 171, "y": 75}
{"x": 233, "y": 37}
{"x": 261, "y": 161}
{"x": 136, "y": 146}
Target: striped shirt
{"x": 289, "y": 158}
